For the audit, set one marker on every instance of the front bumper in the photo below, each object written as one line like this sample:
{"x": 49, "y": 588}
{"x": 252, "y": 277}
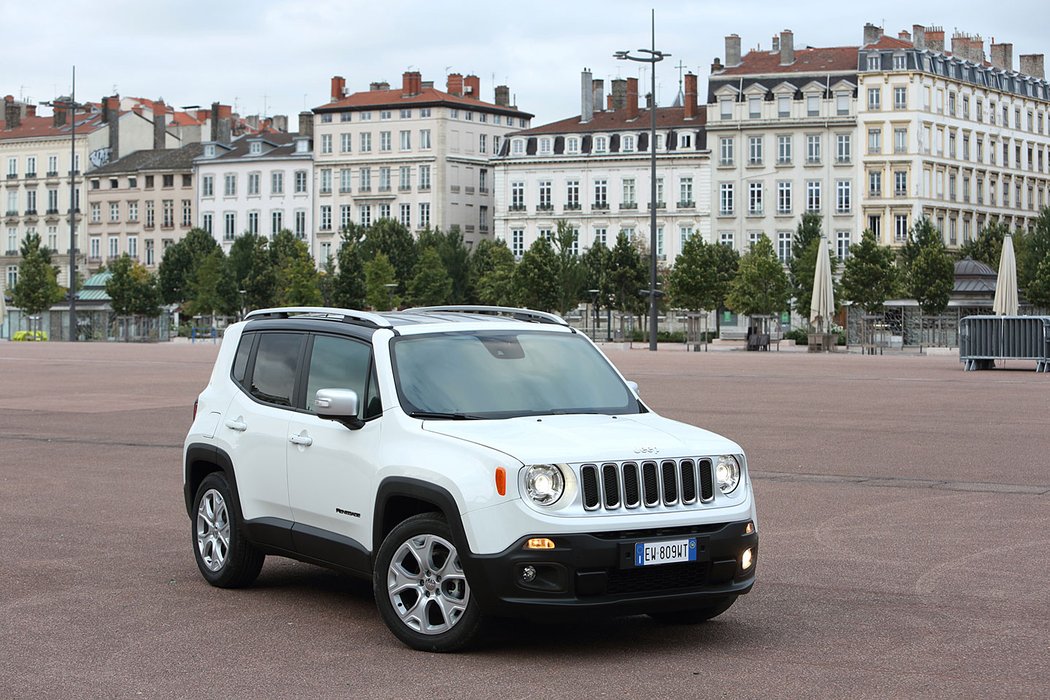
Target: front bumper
{"x": 595, "y": 572}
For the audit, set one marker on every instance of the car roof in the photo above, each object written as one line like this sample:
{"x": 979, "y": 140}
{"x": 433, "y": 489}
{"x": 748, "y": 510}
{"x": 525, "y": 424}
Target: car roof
{"x": 413, "y": 320}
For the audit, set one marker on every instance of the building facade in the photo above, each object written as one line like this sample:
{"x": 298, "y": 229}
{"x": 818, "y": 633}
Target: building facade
{"x": 140, "y": 204}
{"x": 415, "y": 154}
{"x": 593, "y": 171}
{"x": 258, "y": 184}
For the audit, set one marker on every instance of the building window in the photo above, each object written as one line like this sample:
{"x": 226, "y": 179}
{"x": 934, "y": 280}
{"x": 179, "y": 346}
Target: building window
{"x": 277, "y": 182}
{"x": 114, "y": 211}
{"x": 874, "y": 99}
{"x": 900, "y": 98}
{"x": 384, "y": 141}
{"x": 754, "y": 107}
{"x": 754, "y": 197}
{"x": 133, "y": 212}
{"x": 384, "y": 179}
{"x": 96, "y": 212}
{"x": 784, "y": 197}
{"x": 544, "y": 202}
{"x": 900, "y": 227}
{"x": 842, "y": 244}
{"x": 813, "y": 195}
{"x": 784, "y": 246}
{"x": 601, "y": 194}
{"x": 725, "y": 198}
{"x": 875, "y": 141}
{"x": 572, "y": 145}
{"x": 229, "y": 227}
{"x": 843, "y": 148}
{"x": 875, "y": 183}
{"x": 405, "y": 215}
{"x": 365, "y": 215}
{"x": 900, "y": 183}
{"x": 300, "y": 224}
{"x": 326, "y": 217}
{"x": 253, "y": 223}
{"x": 326, "y": 143}
{"x": 366, "y": 142}
{"x": 784, "y": 106}
{"x": 725, "y": 106}
{"x": 813, "y": 105}
{"x": 725, "y": 238}
{"x": 206, "y": 222}
{"x": 784, "y": 149}
{"x": 276, "y": 221}
{"x": 843, "y": 196}
{"x": 229, "y": 185}
{"x": 424, "y": 214}
{"x": 168, "y": 213}
{"x": 685, "y": 193}
{"x": 601, "y": 144}
{"x": 300, "y": 181}
{"x": 754, "y": 150}
{"x": 601, "y": 236}
{"x": 725, "y": 150}
{"x": 208, "y": 186}
{"x": 346, "y": 140}
{"x": 813, "y": 149}
{"x": 345, "y": 215}
{"x": 517, "y": 196}
{"x": 900, "y": 61}
{"x": 629, "y": 201}
{"x": 253, "y": 184}
{"x": 517, "y": 242}
{"x": 627, "y": 143}
{"x": 572, "y": 194}
{"x": 900, "y": 140}
{"x": 364, "y": 180}
{"x": 424, "y": 177}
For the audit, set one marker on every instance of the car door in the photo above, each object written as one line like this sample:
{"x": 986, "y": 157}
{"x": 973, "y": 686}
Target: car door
{"x": 256, "y": 425}
{"x": 331, "y": 468}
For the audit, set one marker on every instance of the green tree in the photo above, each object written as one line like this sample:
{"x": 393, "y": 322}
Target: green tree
{"x": 379, "y": 273}
{"x": 396, "y": 243}
{"x": 1038, "y": 289}
{"x": 430, "y": 284}
{"x": 1032, "y": 250}
{"x": 803, "y": 261}
{"x": 250, "y": 269}
{"x": 536, "y": 277}
{"x": 133, "y": 290}
{"x": 37, "y": 287}
{"x": 455, "y": 258}
{"x": 209, "y": 287}
{"x": 987, "y": 246}
{"x": 496, "y": 284}
{"x": 487, "y": 256}
{"x": 178, "y": 263}
{"x": 294, "y": 273}
{"x": 348, "y": 289}
{"x": 628, "y": 275}
{"x": 571, "y": 274}
{"x": 761, "y": 285}
{"x": 869, "y": 277}
{"x": 326, "y": 278}
{"x": 702, "y": 274}
{"x": 928, "y": 268}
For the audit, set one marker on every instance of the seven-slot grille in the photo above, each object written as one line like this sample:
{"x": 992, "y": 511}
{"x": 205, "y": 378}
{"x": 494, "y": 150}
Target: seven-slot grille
{"x": 647, "y": 483}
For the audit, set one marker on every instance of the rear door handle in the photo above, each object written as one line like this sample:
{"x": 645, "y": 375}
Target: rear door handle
{"x": 301, "y": 439}
{"x": 238, "y": 425}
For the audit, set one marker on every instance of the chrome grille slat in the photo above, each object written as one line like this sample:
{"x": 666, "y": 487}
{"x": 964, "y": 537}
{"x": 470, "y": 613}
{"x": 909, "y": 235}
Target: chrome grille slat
{"x": 669, "y": 483}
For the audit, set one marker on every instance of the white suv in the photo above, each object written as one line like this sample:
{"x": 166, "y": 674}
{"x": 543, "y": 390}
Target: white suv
{"x": 471, "y": 461}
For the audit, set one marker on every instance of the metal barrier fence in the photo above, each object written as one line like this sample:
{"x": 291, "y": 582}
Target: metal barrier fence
{"x": 985, "y": 339}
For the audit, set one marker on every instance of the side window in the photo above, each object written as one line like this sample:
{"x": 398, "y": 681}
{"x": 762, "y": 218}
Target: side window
{"x": 338, "y": 363}
{"x": 373, "y": 407}
{"x": 273, "y": 376}
{"x": 240, "y": 360}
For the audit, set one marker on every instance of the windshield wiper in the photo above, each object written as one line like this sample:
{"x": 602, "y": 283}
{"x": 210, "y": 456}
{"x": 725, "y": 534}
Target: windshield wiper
{"x": 435, "y": 415}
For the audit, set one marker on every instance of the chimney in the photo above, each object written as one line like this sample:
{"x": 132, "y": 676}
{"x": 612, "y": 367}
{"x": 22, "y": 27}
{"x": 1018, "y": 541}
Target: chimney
{"x": 935, "y": 39}
{"x": 871, "y": 34}
{"x": 1032, "y": 64}
{"x": 59, "y": 116}
{"x": 776, "y": 44}
{"x": 160, "y": 124}
{"x": 12, "y": 113}
{"x": 732, "y": 50}
{"x": 111, "y": 116}
{"x": 632, "y": 98}
{"x": 598, "y": 88}
{"x": 619, "y": 94}
{"x": 918, "y": 33}
{"x": 977, "y": 49}
{"x": 787, "y": 47}
{"x": 454, "y": 84}
{"x": 379, "y": 85}
{"x": 472, "y": 87}
{"x": 306, "y": 123}
{"x": 586, "y": 96}
{"x": 338, "y": 88}
{"x": 221, "y": 126}
{"x": 609, "y": 103}
{"x": 1003, "y": 56}
{"x": 31, "y": 109}
{"x": 970, "y": 48}
{"x": 503, "y": 96}
{"x": 690, "y": 96}
{"x": 411, "y": 83}
{"x": 716, "y": 66}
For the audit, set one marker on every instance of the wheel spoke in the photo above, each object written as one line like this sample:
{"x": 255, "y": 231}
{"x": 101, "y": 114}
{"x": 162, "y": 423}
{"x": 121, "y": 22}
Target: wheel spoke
{"x": 450, "y": 612}
{"x": 398, "y": 579}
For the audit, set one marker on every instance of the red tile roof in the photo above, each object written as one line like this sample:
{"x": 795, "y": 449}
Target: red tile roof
{"x": 826, "y": 60}
{"x": 888, "y": 42}
{"x": 395, "y": 98}
{"x": 43, "y": 127}
{"x": 666, "y": 117}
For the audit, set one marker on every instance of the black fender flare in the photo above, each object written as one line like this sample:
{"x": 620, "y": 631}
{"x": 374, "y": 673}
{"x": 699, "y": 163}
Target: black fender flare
{"x": 198, "y": 452}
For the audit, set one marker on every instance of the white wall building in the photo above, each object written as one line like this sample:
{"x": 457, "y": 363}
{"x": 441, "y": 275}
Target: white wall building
{"x": 415, "y": 154}
{"x": 593, "y": 170}
{"x": 258, "y": 184}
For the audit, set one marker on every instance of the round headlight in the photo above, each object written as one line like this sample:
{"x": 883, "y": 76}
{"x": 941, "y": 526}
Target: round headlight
{"x": 727, "y": 472}
{"x": 544, "y": 483}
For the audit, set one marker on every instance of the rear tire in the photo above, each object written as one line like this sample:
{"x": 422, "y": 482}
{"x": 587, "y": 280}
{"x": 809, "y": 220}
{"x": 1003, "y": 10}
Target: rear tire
{"x": 226, "y": 559}
{"x": 694, "y": 616}
{"x": 420, "y": 589}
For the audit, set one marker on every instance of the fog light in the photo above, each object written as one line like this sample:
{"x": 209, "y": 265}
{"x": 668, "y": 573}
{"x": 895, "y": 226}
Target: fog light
{"x": 539, "y": 543}
{"x": 528, "y": 574}
{"x": 749, "y": 528}
{"x": 745, "y": 559}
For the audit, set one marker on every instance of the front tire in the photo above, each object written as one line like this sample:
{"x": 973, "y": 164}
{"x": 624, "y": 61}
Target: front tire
{"x": 694, "y": 616}
{"x": 420, "y": 587}
{"x": 225, "y": 558}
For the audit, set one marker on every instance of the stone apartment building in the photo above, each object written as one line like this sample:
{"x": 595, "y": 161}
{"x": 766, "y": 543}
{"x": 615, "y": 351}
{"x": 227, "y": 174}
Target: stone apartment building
{"x": 593, "y": 170}
{"x": 413, "y": 153}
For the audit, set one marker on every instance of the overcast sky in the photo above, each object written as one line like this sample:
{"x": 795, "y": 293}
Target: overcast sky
{"x": 270, "y": 57}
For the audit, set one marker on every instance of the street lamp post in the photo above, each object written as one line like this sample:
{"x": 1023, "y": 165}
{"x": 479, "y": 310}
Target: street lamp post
{"x": 652, "y": 57}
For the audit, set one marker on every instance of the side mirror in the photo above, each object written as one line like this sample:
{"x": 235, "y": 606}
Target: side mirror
{"x": 633, "y": 386}
{"x": 339, "y": 405}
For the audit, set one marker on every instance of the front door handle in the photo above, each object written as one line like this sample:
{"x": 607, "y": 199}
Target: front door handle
{"x": 301, "y": 439}
{"x": 237, "y": 424}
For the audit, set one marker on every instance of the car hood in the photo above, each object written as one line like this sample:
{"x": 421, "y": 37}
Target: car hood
{"x": 587, "y": 438}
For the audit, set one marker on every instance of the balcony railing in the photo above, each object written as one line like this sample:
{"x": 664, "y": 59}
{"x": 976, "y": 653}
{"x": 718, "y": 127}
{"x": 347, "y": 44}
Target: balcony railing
{"x": 516, "y": 207}
{"x": 572, "y": 207}
{"x": 544, "y": 207}
{"x": 600, "y": 206}
{"x": 629, "y": 205}
{"x": 687, "y": 204}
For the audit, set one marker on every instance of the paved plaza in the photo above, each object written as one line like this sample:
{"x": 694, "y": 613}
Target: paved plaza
{"x": 904, "y": 512}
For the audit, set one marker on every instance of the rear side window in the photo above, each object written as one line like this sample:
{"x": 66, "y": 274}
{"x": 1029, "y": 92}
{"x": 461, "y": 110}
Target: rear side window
{"x": 273, "y": 375}
{"x": 338, "y": 363}
{"x": 240, "y": 361}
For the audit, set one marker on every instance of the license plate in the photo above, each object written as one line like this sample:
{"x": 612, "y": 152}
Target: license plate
{"x": 667, "y": 552}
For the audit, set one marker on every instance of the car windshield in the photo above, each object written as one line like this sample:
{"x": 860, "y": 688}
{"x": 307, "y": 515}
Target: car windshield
{"x": 504, "y": 374}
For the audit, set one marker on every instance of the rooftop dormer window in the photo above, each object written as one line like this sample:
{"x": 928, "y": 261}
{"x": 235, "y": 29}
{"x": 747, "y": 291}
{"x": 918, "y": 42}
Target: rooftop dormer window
{"x": 572, "y": 144}
{"x": 209, "y": 150}
{"x": 255, "y": 148}
{"x": 545, "y": 146}
{"x": 601, "y": 144}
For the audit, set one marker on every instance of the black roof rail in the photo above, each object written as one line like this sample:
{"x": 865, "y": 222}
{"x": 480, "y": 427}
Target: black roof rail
{"x": 509, "y": 311}
{"x": 351, "y": 315}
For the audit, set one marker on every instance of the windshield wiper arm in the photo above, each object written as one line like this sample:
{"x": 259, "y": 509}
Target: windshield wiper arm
{"x": 443, "y": 416}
